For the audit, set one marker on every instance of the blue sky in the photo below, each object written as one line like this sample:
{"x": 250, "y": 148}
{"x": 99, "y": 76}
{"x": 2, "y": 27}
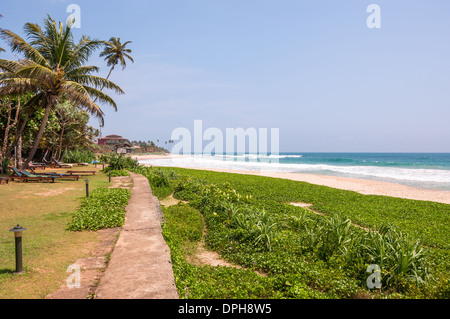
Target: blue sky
{"x": 311, "y": 68}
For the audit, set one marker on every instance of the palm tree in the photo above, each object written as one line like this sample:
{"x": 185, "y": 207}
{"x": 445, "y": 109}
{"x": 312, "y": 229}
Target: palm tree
{"x": 115, "y": 53}
{"x": 54, "y": 69}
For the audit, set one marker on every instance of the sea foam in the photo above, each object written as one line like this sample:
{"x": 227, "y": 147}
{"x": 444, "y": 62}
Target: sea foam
{"x": 436, "y": 178}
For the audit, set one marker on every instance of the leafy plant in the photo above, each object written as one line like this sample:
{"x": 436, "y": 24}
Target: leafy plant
{"x": 119, "y": 172}
{"x": 117, "y": 161}
{"x": 265, "y": 232}
{"x": 78, "y": 156}
{"x": 5, "y": 164}
{"x": 104, "y": 208}
{"x": 399, "y": 257}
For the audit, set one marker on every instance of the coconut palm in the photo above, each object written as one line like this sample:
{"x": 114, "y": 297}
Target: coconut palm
{"x": 54, "y": 68}
{"x": 115, "y": 53}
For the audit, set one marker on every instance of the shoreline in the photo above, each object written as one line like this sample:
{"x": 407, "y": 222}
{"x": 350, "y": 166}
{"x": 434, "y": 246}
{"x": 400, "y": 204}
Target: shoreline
{"x": 362, "y": 186}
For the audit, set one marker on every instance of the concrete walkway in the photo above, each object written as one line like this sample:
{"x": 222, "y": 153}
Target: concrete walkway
{"x": 140, "y": 266}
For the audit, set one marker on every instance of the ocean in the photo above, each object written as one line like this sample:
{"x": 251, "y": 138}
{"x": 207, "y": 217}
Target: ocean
{"x": 422, "y": 170}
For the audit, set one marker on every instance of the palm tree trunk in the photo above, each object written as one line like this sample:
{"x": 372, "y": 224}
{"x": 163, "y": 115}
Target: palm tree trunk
{"x": 19, "y": 141}
{"x": 112, "y": 68}
{"x": 38, "y": 138}
{"x": 9, "y": 126}
{"x": 7, "y": 149}
{"x": 60, "y": 144}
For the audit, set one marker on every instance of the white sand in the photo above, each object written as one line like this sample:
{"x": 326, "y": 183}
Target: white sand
{"x": 358, "y": 185}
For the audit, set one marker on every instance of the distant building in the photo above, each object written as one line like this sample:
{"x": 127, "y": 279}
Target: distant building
{"x": 119, "y": 144}
{"x": 112, "y": 140}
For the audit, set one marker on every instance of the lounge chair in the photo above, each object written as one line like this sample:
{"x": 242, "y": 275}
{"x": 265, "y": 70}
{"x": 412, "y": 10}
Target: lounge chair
{"x": 60, "y": 165}
{"x": 35, "y": 165}
{"x": 60, "y": 175}
{"x": 26, "y": 176}
{"x": 4, "y": 179}
{"x": 81, "y": 172}
{"x": 42, "y": 177}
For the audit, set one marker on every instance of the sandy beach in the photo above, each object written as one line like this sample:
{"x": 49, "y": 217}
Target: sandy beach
{"x": 362, "y": 186}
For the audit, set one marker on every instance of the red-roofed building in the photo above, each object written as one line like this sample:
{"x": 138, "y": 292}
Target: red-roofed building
{"x": 119, "y": 144}
{"x": 112, "y": 140}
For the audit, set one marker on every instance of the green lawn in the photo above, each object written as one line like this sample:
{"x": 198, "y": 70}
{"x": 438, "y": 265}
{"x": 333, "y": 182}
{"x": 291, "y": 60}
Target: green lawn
{"x": 45, "y": 210}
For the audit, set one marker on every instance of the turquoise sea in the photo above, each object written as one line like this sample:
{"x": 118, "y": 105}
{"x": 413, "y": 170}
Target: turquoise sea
{"x": 423, "y": 170}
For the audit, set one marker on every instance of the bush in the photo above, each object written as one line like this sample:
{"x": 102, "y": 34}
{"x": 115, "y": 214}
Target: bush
{"x": 119, "y": 172}
{"x": 5, "y": 164}
{"x": 160, "y": 180}
{"x": 118, "y": 162}
{"x": 78, "y": 156}
{"x": 104, "y": 208}
{"x": 401, "y": 259}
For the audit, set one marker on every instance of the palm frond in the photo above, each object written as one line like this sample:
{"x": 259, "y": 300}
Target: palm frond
{"x": 81, "y": 53}
{"x": 38, "y": 39}
{"x": 16, "y": 86}
{"x": 97, "y": 82}
{"x": 115, "y": 52}
{"x": 9, "y": 65}
{"x": 31, "y": 69}
{"x": 17, "y": 44}
{"x": 77, "y": 94}
{"x": 103, "y": 97}
{"x": 82, "y": 70}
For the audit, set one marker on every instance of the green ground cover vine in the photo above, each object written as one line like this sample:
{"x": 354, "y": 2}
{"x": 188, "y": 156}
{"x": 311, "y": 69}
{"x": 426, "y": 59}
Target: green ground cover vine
{"x": 250, "y": 222}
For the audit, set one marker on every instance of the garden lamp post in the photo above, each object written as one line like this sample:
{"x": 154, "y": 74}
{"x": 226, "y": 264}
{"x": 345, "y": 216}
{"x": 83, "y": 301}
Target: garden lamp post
{"x": 87, "y": 188}
{"x": 18, "y": 238}
{"x": 110, "y": 176}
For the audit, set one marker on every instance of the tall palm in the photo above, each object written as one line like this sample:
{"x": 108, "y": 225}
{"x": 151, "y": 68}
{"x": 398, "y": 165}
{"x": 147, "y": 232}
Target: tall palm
{"x": 54, "y": 69}
{"x": 115, "y": 53}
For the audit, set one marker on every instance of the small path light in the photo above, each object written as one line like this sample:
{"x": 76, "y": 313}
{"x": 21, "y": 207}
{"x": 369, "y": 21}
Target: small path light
{"x": 110, "y": 176}
{"x": 18, "y": 237}
{"x": 87, "y": 188}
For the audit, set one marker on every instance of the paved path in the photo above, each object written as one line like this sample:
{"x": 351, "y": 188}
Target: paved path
{"x": 140, "y": 266}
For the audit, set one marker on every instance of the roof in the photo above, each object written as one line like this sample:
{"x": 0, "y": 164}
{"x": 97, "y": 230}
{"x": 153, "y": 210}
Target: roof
{"x": 113, "y": 137}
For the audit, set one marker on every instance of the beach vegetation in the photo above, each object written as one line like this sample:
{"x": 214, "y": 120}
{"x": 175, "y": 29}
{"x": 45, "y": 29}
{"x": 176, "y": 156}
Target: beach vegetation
{"x": 118, "y": 161}
{"x": 78, "y": 156}
{"x": 321, "y": 252}
{"x": 119, "y": 172}
{"x": 104, "y": 208}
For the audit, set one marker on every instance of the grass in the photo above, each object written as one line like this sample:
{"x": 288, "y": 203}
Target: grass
{"x": 44, "y": 209}
{"x": 306, "y": 255}
{"x": 250, "y": 223}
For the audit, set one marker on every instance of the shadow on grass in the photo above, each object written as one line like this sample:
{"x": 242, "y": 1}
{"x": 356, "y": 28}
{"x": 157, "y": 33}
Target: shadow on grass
{"x": 6, "y": 271}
